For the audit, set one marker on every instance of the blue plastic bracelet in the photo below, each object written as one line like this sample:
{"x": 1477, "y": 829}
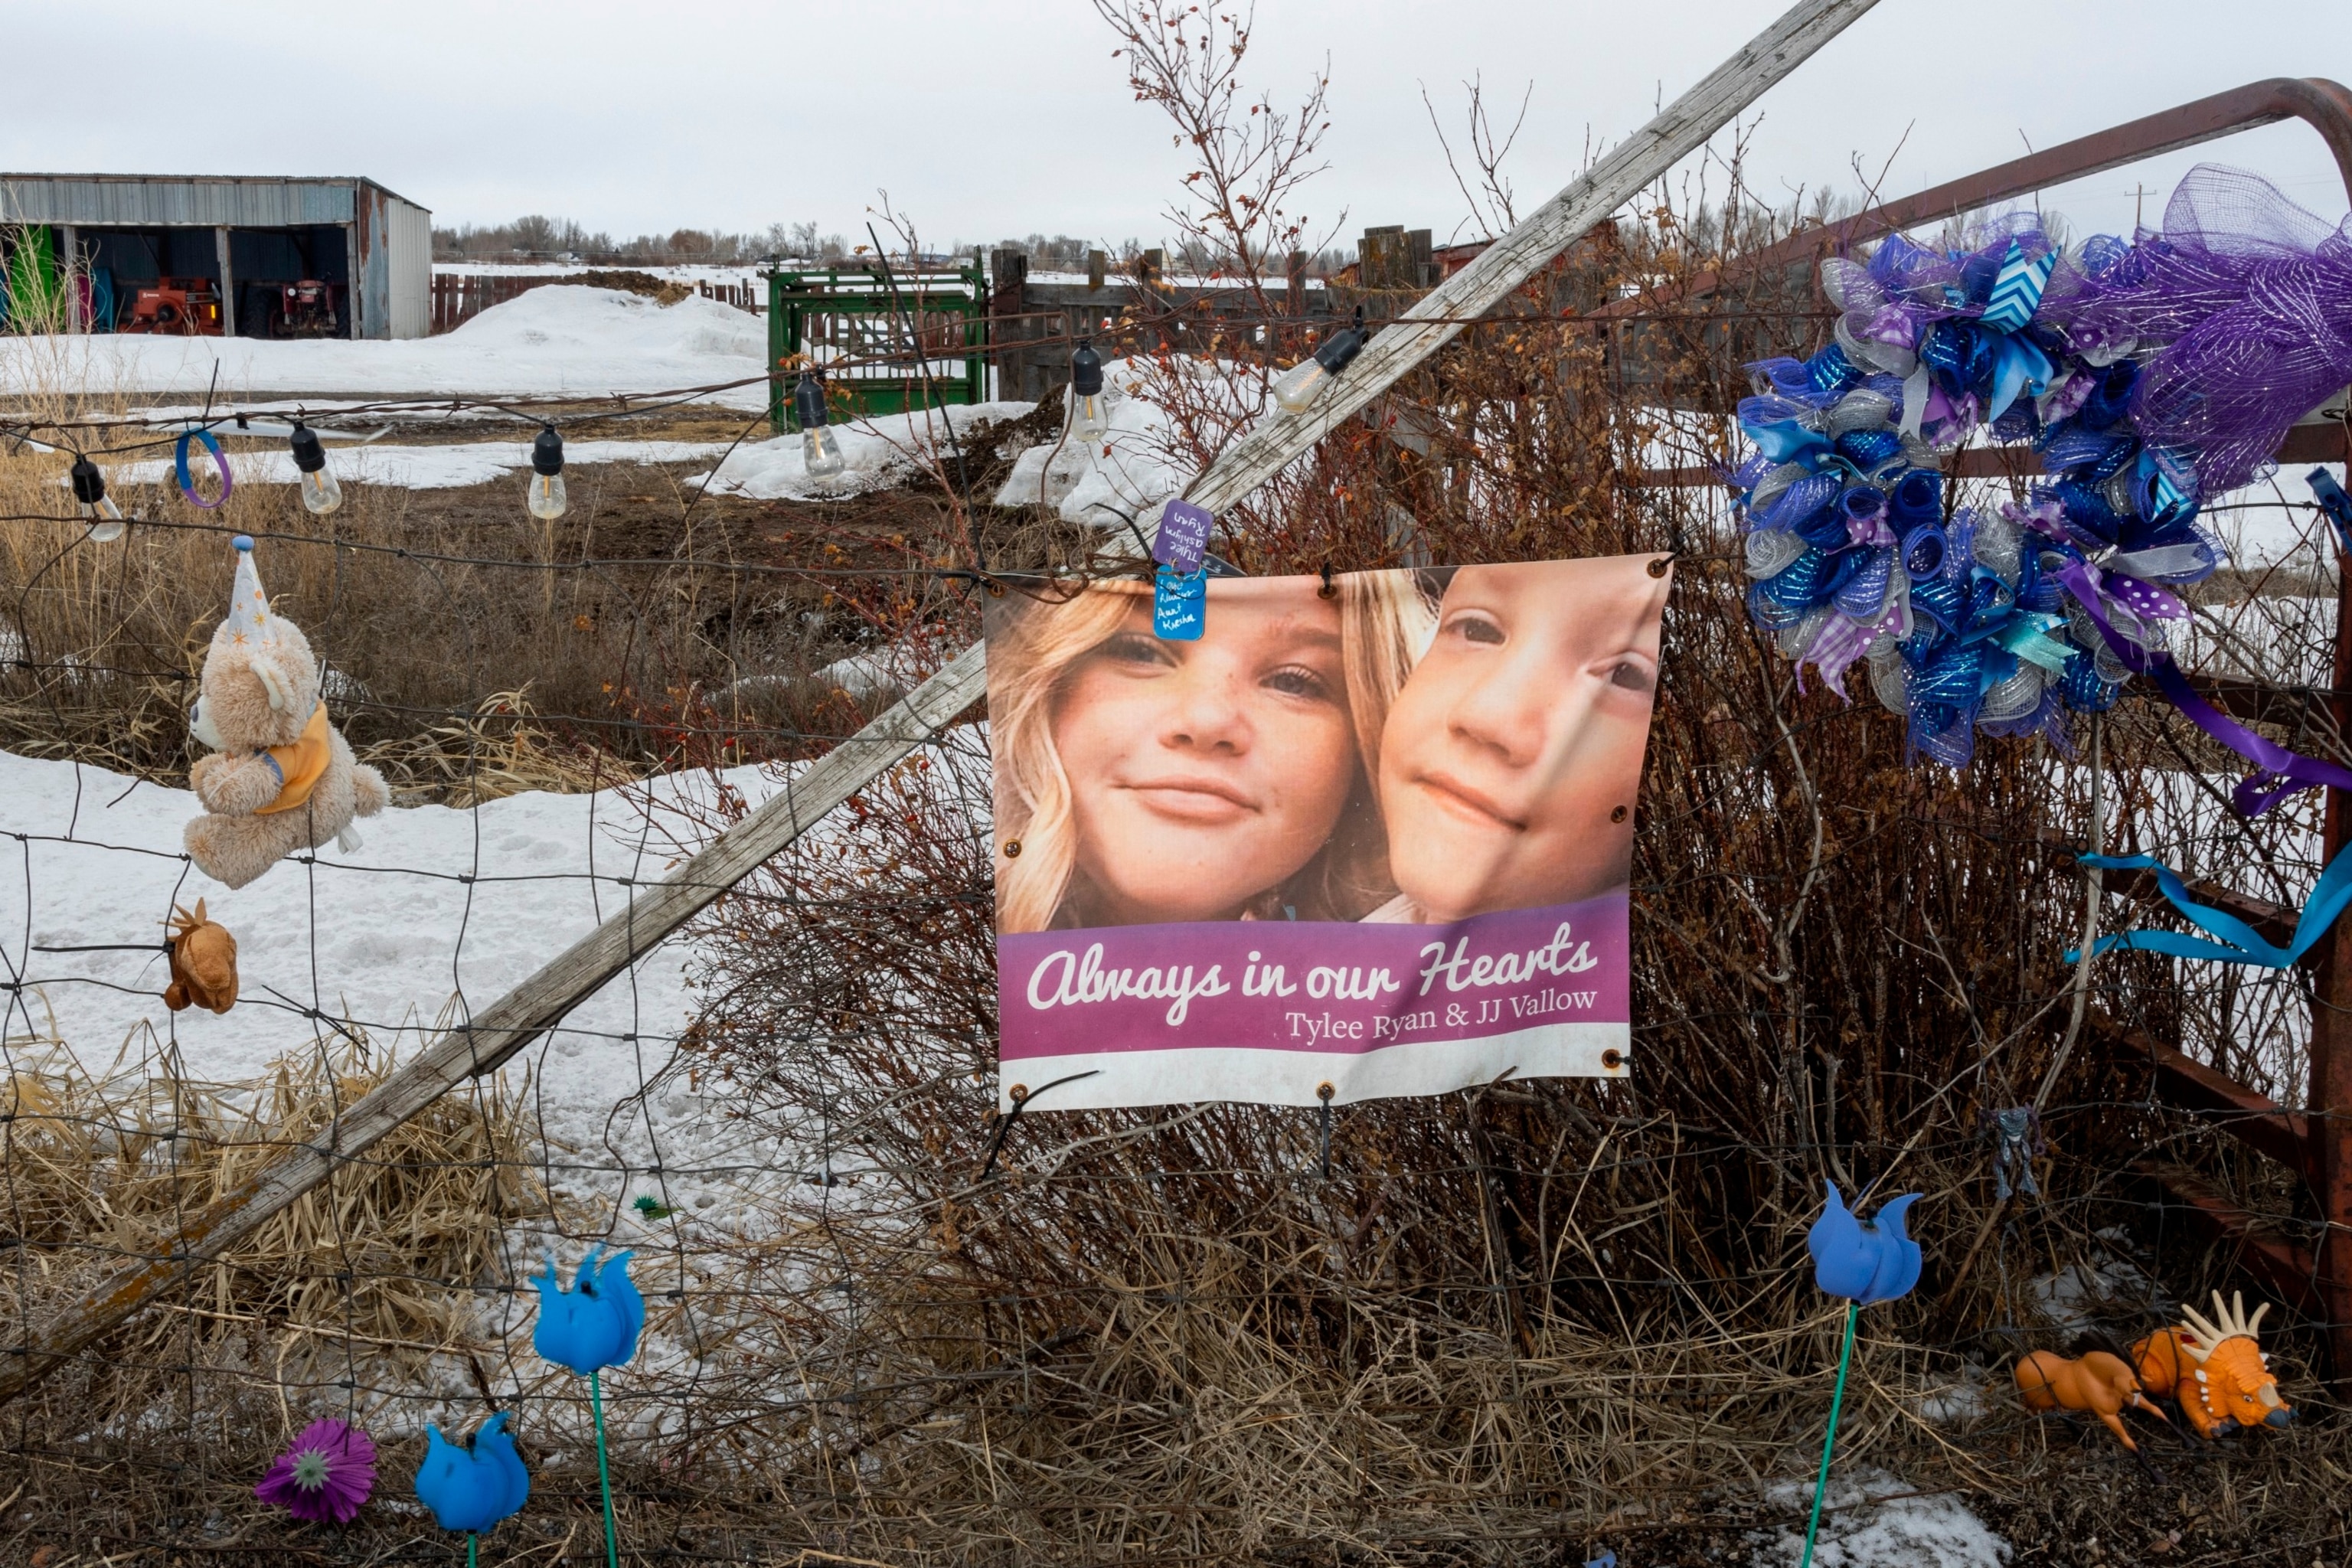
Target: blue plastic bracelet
{"x": 180, "y": 467}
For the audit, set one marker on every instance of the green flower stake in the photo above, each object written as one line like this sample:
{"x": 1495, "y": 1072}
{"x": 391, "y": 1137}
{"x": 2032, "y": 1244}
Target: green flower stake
{"x": 588, "y": 1328}
{"x": 1863, "y": 1262}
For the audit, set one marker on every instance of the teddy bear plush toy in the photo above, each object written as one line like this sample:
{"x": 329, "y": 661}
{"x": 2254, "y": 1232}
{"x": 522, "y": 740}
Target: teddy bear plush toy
{"x": 280, "y": 777}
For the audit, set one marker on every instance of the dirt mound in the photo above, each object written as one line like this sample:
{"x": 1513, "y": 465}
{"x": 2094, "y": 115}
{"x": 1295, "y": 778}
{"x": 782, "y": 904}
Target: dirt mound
{"x": 630, "y": 282}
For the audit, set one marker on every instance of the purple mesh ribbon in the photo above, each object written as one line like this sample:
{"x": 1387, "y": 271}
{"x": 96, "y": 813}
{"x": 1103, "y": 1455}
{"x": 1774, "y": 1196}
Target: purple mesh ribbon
{"x": 2252, "y": 297}
{"x": 2282, "y": 773}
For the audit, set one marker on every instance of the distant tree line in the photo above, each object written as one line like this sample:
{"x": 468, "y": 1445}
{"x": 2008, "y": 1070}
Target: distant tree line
{"x": 540, "y": 238}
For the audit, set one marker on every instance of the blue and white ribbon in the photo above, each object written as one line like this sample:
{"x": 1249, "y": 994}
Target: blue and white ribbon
{"x": 2017, "y": 290}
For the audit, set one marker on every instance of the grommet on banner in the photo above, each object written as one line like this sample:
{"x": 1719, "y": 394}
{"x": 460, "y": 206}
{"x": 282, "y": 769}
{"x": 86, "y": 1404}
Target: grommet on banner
{"x": 1617, "y": 814}
{"x": 1329, "y": 590}
{"x": 1012, "y": 849}
{"x": 1658, "y": 567}
{"x": 1324, "y": 1092}
{"x": 1612, "y": 1058}
{"x": 1021, "y": 1094}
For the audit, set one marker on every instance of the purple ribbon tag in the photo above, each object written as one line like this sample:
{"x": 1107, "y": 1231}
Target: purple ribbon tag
{"x": 1180, "y": 605}
{"x": 1183, "y": 535}
{"x": 2280, "y": 772}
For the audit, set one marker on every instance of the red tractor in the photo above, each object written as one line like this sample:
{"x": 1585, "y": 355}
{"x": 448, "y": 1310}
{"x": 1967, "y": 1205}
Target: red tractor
{"x": 308, "y": 309}
{"x": 187, "y": 305}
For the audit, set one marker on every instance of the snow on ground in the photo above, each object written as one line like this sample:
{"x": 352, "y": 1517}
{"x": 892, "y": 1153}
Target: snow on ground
{"x": 582, "y": 341}
{"x": 879, "y": 453}
{"x": 1874, "y": 1521}
{"x": 387, "y": 937}
{"x": 427, "y": 467}
{"x": 690, "y": 272}
{"x": 1108, "y": 484}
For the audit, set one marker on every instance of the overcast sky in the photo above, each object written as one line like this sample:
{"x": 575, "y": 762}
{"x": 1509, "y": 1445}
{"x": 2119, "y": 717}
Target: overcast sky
{"x": 992, "y": 119}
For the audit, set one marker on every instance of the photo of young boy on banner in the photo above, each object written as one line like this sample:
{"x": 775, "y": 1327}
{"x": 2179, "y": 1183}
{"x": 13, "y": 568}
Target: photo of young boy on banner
{"x": 1356, "y": 841}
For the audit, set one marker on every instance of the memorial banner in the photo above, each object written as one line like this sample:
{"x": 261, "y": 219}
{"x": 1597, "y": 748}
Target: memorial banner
{"x": 1364, "y": 839}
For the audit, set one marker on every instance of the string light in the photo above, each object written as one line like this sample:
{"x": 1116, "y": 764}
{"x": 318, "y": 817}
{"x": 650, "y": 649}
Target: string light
{"x": 1089, "y": 419}
{"x": 545, "y": 497}
{"x": 104, "y": 517}
{"x": 820, "y": 451}
{"x": 320, "y": 493}
{"x": 1304, "y": 381}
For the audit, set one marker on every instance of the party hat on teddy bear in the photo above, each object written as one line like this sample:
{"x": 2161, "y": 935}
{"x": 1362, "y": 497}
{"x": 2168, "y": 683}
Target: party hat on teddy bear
{"x": 249, "y": 621}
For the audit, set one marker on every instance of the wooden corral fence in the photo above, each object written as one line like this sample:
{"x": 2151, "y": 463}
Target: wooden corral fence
{"x": 743, "y": 296}
{"x": 459, "y": 297}
{"x": 1133, "y": 309}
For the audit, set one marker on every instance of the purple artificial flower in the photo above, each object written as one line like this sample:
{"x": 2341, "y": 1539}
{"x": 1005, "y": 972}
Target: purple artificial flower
{"x": 326, "y": 1475}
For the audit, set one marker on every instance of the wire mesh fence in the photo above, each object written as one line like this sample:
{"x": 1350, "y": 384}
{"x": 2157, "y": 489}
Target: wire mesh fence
{"x": 1527, "y": 1322}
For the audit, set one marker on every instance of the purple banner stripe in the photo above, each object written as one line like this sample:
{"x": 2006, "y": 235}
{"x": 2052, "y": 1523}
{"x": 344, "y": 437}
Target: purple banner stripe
{"x": 1311, "y": 987}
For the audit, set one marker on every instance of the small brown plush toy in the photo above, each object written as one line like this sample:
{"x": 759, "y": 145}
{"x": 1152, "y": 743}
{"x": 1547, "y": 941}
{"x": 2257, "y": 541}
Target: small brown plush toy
{"x": 204, "y": 963}
{"x": 280, "y": 777}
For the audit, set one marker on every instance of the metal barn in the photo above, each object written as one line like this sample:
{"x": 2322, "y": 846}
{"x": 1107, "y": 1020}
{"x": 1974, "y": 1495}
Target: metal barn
{"x": 248, "y": 257}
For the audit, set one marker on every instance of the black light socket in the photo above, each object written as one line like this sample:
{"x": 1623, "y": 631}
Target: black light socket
{"x": 808, "y": 401}
{"x": 89, "y": 484}
{"x": 1339, "y": 350}
{"x": 546, "y": 453}
{"x": 309, "y": 456}
{"x": 1086, "y": 369}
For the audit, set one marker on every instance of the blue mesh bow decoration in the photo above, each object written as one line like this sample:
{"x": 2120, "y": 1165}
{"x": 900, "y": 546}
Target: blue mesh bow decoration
{"x": 474, "y": 1485}
{"x": 2005, "y": 621}
{"x": 1863, "y": 1261}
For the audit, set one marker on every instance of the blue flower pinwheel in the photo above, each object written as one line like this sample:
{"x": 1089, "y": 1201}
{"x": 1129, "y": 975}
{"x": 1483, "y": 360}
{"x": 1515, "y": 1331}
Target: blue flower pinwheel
{"x": 594, "y": 1324}
{"x": 472, "y": 1486}
{"x": 1863, "y": 1261}
{"x": 588, "y": 1328}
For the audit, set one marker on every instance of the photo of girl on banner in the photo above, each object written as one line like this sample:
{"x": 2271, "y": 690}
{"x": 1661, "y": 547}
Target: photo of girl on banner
{"x": 1371, "y": 841}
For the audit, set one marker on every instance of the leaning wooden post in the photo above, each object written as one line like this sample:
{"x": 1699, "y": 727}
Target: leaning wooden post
{"x": 540, "y": 1003}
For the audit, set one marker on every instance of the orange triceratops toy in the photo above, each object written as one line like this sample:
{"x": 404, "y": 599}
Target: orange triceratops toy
{"x": 204, "y": 963}
{"x": 2098, "y": 1382}
{"x": 2215, "y": 1370}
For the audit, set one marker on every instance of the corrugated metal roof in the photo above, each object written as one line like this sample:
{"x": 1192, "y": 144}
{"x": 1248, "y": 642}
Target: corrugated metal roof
{"x": 145, "y": 200}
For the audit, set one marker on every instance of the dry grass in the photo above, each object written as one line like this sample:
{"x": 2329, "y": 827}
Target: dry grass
{"x": 100, "y": 1164}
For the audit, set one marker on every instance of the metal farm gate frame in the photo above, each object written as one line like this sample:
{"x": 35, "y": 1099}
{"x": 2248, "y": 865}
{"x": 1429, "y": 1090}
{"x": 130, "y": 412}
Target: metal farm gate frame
{"x": 2314, "y": 1143}
{"x": 877, "y": 336}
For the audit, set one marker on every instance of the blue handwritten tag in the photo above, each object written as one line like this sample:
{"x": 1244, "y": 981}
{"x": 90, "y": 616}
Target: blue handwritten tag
{"x": 1183, "y": 535}
{"x": 1180, "y": 605}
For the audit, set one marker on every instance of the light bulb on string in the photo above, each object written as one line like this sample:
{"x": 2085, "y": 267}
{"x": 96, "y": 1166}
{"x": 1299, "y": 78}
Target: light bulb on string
{"x": 98, "y": 508}
{"x": 320, "y": 493}
{"x": 1089, "y": 420}
{"x": 1304, "y": 381}
{"x": 820, "y": 450}
{"x": 545, "y": 497}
